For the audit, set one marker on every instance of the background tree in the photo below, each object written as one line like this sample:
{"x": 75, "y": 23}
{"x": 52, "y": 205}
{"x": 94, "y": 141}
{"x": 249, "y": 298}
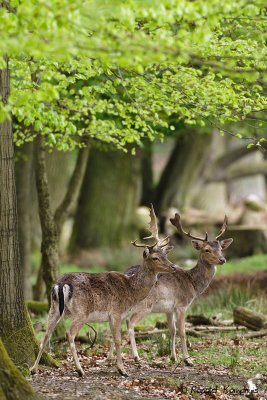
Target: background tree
{"x": 110, "y": 195}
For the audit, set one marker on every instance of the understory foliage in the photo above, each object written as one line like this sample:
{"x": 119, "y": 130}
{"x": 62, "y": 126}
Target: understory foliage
{"x": 116, "y": 72}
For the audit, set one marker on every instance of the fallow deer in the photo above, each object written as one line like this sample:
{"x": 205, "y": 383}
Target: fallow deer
{"x": 107, "y": 296}
{"x": 174, "y": 293}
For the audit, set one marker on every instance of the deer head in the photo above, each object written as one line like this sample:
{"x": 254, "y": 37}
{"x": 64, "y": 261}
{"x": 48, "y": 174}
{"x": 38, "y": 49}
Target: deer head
{"x": 155, "y": 255}
{"x": 210, "y": 250}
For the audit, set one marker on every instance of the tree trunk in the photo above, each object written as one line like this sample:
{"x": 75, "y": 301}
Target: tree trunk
{"x": 147, "y": 174}
{"x": 23, "y": 185}
{"x": 13, "y": 386}
{"x": 176, "y": 185}
{"x": 15, "y": 327}
{"x": 49, "y": 246}
{"x": 108, "y": 201}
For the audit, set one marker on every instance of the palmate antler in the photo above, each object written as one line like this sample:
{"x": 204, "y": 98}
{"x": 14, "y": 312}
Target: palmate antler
{"x": 176, "y": 221}
{"x": 153, "y": 229}
{"x": 223, "y": 228}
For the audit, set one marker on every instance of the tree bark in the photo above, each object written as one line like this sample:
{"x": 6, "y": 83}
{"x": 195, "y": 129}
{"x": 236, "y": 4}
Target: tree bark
{"x": 49, "y": 246}
{"x": 147, "y": 174}
{"x": 15, "y": 327}
{"x": 23, "y": 170}
{"x": 107, "y": 204}
{"x": 187, "y": 160}
{"x": 13, "y": 385}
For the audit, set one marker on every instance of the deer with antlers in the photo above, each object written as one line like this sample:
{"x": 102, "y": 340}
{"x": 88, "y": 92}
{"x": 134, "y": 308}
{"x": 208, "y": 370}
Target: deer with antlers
{"x": 174, "y": 293}
{"x": 108, "y": 296}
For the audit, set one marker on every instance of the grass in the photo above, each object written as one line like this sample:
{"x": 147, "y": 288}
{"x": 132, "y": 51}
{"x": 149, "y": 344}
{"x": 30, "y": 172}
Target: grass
{"x": 245, "y": 265}
{"x": 247, "y": 358}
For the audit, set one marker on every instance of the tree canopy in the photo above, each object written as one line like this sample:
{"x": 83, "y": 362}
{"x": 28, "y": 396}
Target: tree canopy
{"x": 119, "y": 71}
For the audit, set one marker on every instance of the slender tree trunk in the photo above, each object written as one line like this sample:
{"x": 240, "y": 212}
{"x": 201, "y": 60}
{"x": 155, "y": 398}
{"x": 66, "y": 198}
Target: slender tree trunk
{"x": 23, "y": 185}
{"x": 147, "y": 174}
{"x": 185, "y": 164}
{"x": 108, "y": 200}
{"x": 49, "y": 246}
{"x": 13, "y": 385}
{"x": 52, "y": 223}
{"x": 15, "y": 327}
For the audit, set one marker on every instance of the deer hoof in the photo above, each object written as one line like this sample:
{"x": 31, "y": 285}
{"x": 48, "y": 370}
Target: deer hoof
{"x": 137, "y": 359}
{"x": 188, "y": 361}
{"x": 33, "y": 371}
{"x": 123, "y": 372}
{"x": 81, "y": 372}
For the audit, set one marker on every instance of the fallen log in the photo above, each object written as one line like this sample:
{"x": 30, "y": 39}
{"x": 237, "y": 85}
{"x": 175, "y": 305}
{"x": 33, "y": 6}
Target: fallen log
{"x": 148, "y": 334}
{"x": 199, "y": 320}
{"x": 207, "y": 329}
{"x": 251, "y": 319}
{"x": 37, "y": 307}
{"x": 253, "y": 335}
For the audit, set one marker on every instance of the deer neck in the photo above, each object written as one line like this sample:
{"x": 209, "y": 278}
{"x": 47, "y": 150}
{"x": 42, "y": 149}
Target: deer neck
{"x": 201, "y": 275}
{"x": 142, "y": 282}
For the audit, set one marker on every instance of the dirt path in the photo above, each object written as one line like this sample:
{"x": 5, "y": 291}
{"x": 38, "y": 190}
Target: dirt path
{"x": 156, "y": 380}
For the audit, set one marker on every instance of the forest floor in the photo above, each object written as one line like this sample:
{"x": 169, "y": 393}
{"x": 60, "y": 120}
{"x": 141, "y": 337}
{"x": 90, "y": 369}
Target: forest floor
{"x": 222, "y": 369}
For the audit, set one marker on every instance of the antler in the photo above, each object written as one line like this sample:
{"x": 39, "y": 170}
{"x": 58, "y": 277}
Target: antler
{"x": 153, "y": 228}
{"x": 223, "y": 228}
{"x": 176, "y": 221}
{"x": 153, "y": 225}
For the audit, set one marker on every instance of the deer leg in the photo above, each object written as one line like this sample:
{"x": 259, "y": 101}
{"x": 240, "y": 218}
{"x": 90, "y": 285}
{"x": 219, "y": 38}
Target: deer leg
{"x": 131, "y": 323}
{"x": 172, "y": 329}
{"x": 53, "y": 319}
{"x": 110, "y": 355}
{"x": 74, "y": 329}
{"x": 181, "y": 330}
{"x": 115, "y": 327}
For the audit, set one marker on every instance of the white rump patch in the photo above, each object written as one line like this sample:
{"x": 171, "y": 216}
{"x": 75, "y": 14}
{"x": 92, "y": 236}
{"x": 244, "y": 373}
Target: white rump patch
{"x": 56, "y": 291}
{"x": 66, "y": 292}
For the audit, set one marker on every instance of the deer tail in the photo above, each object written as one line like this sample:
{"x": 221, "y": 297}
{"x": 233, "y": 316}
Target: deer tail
{"x": 62, "y": 294}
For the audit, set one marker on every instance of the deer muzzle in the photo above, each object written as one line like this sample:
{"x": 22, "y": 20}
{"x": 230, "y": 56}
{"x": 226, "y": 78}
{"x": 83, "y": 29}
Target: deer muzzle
{"x": 222, "y": 260}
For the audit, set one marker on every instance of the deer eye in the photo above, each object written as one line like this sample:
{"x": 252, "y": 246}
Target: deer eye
{"x": 207, "y": 250}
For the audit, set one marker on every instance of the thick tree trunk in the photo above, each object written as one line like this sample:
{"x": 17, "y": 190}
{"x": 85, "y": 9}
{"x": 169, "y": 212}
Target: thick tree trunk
{"x": 15, "y": 327}
{"x": 13, "y": 386}
{"x": 23, "y": 185}
{"x": 187, "y": 160}
{"x": 108, "y": 201}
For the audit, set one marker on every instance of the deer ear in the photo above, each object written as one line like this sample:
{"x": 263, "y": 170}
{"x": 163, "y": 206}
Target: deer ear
{"x": 146, "y": 252}
{"x": 197, "y": 245}
{"x": 226, "y": 243}
{"x": 167, "y": 249}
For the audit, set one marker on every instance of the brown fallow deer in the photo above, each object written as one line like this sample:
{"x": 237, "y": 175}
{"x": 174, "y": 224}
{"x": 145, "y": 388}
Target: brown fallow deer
{"x": 107, "y": 296}
{"x": 174, "y": 293}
